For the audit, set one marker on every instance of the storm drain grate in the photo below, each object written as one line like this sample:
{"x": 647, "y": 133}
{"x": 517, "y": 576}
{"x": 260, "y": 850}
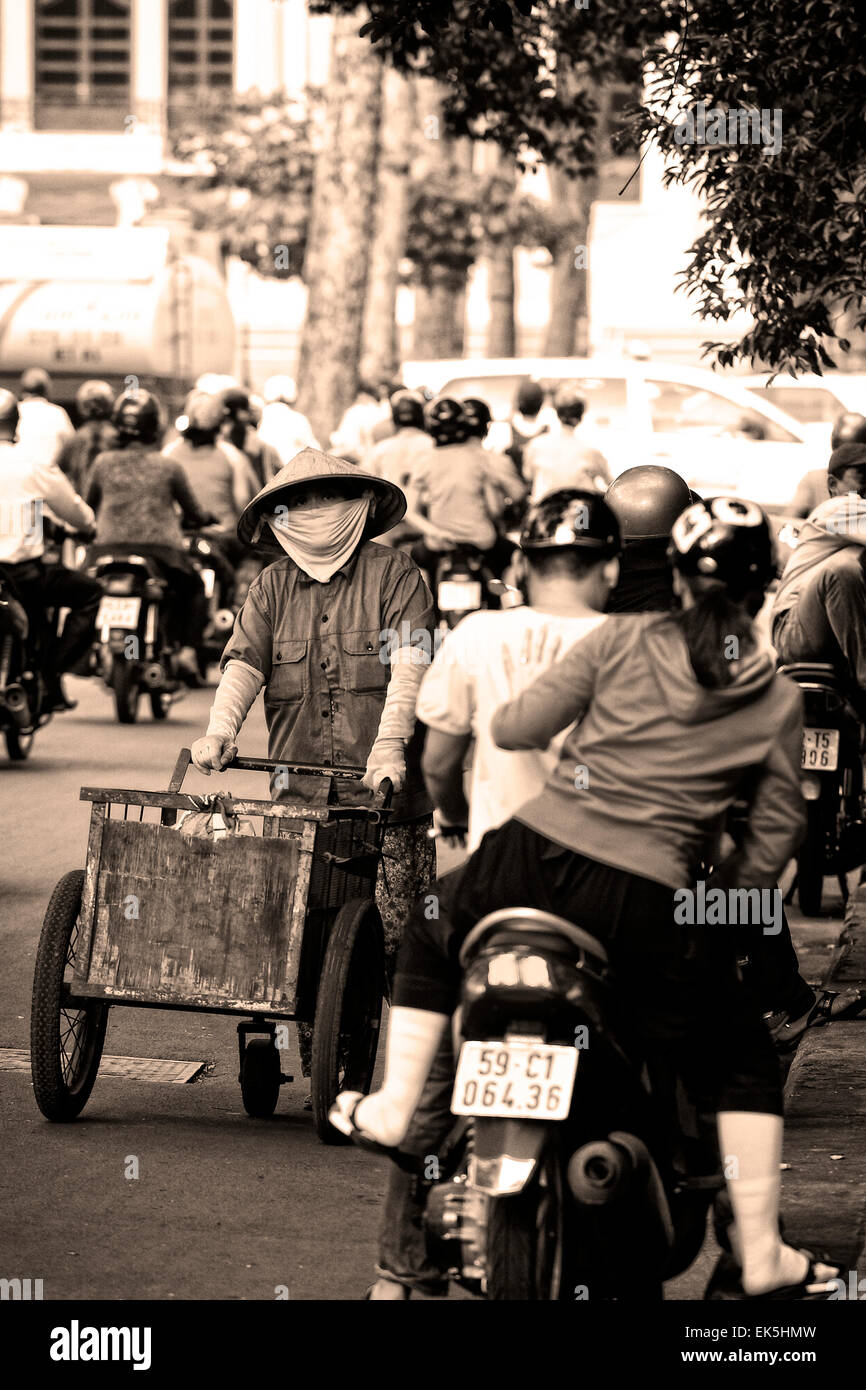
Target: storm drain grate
{"x": 130, "y": 1068}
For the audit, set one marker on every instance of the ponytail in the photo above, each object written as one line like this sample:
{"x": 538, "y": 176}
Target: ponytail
{"x": 717, "y": 632}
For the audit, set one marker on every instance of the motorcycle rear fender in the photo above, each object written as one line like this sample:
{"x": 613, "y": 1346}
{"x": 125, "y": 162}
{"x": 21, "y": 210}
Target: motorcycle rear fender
{"x": 505, "y": 1154}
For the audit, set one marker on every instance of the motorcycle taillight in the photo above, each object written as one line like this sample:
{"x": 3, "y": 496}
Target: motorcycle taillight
{"x": 119, "y": 584}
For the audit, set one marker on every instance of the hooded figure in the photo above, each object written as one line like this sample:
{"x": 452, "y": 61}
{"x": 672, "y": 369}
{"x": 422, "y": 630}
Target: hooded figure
{"x": 337, "y": 633}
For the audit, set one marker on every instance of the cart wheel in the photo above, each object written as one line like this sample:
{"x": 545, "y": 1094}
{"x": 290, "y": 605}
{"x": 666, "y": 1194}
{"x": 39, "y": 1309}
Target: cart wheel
{"x": 348, "y": 1011}
{"x": 125, "y": 682}
{"x": 260, "y": 1078}
{"x": 65, "y": 1043}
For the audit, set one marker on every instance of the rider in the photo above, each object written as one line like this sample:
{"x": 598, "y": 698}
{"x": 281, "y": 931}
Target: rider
{"x": 564, "y": 459}
{"x": 136, "y": 491}
{"x": 238, "y": 430}
{"x": 819, "y": 613}
{"x": 646, "y": 501}
{"x": 281, "y": 426}
{"x": 93, "y": 402}
{"x": 569, "y": 543}
{"x": 43, "y": 426}
{"x": 529, "y": 419}
{"x": 26, "y": 488}
{"x": 394, "y": 458}
{"x": 812, "y": 490}
{"x": 509, "y": 488}
{"x": 460, "y": 487}
{"x": 669, "y": 725}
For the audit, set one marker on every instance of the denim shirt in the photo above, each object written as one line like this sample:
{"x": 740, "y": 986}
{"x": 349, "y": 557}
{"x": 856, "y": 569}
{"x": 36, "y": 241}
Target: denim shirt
{"x": 324, "y": 651}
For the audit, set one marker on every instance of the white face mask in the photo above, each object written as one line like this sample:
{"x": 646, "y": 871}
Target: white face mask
{"x": 321, "y": 539}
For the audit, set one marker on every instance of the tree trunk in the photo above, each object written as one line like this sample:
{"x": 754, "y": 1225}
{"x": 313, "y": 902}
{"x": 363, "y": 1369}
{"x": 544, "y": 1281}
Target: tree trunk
{"x": 341, "y": 228}
{"x": 440, "y": 307}
{"x": 380, "y": 357}
{"x": 501, "y": 336}
{"x": 568, "y": 324}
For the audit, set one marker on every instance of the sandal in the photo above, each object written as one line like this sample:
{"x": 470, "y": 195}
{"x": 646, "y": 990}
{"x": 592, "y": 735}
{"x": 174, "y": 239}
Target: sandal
{"x": 829, "y": 1006}
{"x": 344, "y": 1122}
{"x": 725, "y": 1285}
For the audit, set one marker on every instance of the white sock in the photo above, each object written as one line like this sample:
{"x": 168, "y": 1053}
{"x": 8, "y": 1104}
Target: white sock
{"x": 751, "y": 1148}
{"x": 414, "y": 1036}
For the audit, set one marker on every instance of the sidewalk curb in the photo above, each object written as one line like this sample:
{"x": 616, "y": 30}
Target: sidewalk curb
{"x": 824, "y": 1189}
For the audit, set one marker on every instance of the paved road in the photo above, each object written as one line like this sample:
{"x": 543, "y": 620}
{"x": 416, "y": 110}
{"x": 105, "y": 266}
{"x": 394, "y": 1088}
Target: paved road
{"x": 224, "y": 1207}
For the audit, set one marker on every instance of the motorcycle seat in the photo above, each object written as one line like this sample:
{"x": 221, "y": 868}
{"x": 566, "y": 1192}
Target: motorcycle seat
{"x": 815, "y": 673}
{"x": 512, "y": 926}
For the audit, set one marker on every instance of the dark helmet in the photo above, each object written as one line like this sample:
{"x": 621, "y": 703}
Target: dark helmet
{"x": 569, "y": 518}
{"x": 529, "y": 398}
{"x": 647, "y": 501}
{"x": 479, "y": 416}
{"x": 9, "y": 415}
{"x": 569, "y": 404}
{"x": 93, "y": 400}
{"x": 848, "y": 428}
{"x": 725, "y": 539}
{"x": 407, "y": 408}
{"x": 445, "y": 420}
{"x": 234, "y": 398}
{"x": 136, "y": 416}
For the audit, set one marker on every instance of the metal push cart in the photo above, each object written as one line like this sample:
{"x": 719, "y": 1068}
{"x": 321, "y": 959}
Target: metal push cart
{"x": 280, "y": 926}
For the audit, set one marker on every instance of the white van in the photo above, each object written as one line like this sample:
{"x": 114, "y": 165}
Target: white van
{"x": 721, "y": 437}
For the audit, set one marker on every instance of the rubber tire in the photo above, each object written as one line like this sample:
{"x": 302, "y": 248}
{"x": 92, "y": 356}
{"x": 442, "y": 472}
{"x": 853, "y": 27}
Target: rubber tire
{"x": 512, "y": 1241}
{"x": 127, "y": 689}
{"x": 56, "y": 1098}
{"x": 159, "y": 706}
{"x": 18, "y": 745}
{"x": 810, "y": 866}
{"x": 354, "y": 961}
{"x": 260, "y": 1077}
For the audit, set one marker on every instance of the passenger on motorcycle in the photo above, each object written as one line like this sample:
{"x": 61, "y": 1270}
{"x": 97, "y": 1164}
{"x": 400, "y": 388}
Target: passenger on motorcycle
{"x": 812, "y": 490}
{"x": 238, "y": 430}
{"x": 287, "y": 430}
{"x": 672, "y": 718}
{"x": 27, "y": 487}
{"x": 509, "y": 491}
{"x": 529, "y": 419}
{"x": 646, "y": 501}
{"x": 394, "y": 458}
{"x": 337, "y": 631}
{"x": 44, "y": 427}
{"x": 566, "y": 458}
{"x": 135, "y": 491}
{"x": 568, "y": 545}
{"x": 819, "y": 612}
{"x": 93, "y": 402}
{"x": 455, "y": 495}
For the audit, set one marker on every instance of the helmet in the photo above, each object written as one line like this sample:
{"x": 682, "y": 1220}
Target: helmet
{"x": 445, "y": 420}
{"x": 647, "y": 501}
{"x": 203, "y": 413}
{"x": 848, "y": 428}
{"x": 571, "y": 517}
{"x": 136, "y": 416}
{"x": 35, "y": 382}
{"x": 234, "y": 398}
{"x": 211, "y": 383}
{"x": 568, "y": 403}
{"x": 478, "y": 416}
{"x": 93, "y": 400}
{"x": 727, "y": 540}
{"x": 9, "y": 411}
{"x": 407, "y": 408}
{"x": 529, "y": 398}
{"x": 280, "y": 388}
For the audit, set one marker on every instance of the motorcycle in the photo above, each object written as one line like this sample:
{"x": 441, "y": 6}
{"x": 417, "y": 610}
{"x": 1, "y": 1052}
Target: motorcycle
{"x": 576, "y": 1171}
{"x": 465, "y": 584}
{"x": 22, "y": 685}
{"x": 831, "y": 781}
{"x": 221, "y": 609}
{"x": 134, "y": 654}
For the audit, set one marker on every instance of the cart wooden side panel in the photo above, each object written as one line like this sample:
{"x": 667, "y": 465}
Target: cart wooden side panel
{"x": 196, "y": 922}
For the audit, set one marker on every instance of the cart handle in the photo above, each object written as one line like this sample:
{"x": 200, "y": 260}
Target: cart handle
{"x": 181, "y": 767}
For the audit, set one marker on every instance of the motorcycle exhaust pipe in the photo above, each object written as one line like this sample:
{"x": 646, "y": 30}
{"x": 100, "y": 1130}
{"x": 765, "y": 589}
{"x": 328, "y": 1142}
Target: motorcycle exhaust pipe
{"x": 153, "y": 676}
{"x": 223, "y": 620}
{"x": 17, "y": 704}
{"x": 600, "y": 1172}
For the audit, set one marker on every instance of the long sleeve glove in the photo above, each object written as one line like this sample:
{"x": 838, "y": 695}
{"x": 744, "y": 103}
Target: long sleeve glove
{"x": 387, "y": 757}
{"x": 235, "y": 694}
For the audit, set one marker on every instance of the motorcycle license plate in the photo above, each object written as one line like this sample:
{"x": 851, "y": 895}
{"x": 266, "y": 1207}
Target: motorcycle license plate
{"x": 820, "y": 749}
{"x": 515, "y": 1080}
{"x": 459, "y": 595}
{"x": 118, "y": 612}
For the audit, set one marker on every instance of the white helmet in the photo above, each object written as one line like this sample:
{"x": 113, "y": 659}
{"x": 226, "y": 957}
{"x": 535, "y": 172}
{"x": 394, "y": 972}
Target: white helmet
{"x": 211, "y": 383}
{"x": 280, "y": 388}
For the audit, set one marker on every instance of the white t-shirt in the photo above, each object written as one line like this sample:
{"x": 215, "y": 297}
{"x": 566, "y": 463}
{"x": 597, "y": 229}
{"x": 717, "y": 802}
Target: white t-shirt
{"x": 566, "y": 459}
{"x": 43, "y": 428}
{"x": 490, "y": 658}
